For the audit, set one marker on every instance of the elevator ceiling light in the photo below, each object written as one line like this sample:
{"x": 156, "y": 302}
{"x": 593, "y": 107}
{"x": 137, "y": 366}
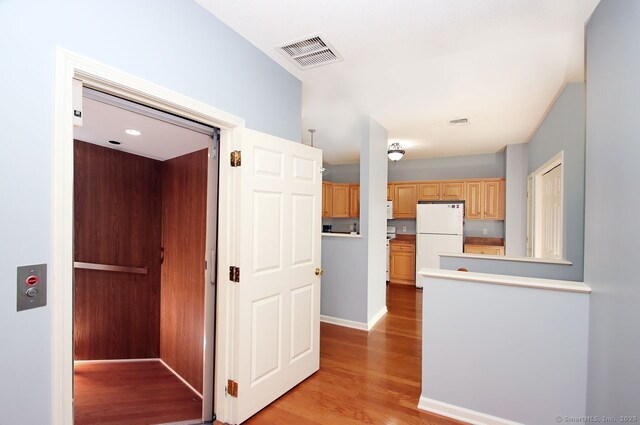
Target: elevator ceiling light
{"x": 133, "y": 132}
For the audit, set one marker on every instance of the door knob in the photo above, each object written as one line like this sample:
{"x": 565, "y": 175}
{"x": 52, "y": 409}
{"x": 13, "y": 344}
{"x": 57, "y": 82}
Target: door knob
{"x": 319, "y": 271}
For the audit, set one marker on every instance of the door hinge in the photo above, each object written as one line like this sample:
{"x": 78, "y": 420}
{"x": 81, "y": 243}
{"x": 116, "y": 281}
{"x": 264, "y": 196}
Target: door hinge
{"x": 234, "y": 274}
{"x": 236, "y": 159}
{"x": 232, "y": 388}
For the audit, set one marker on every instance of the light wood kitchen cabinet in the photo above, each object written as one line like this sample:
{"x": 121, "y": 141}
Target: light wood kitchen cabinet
{"x": 340, "y": 200}
{"x": 354, "y": 200}
{"x": 485, "y": 199}
{"x": 405, "y": 198}
{"x": 484, "y": 249}
{"x": 402, "y": 262}
{"x": 429, "y": 191}
{"x": 441, "y": 191}
{"x": 473, "y": 200}
{"x": 494, "y": 200}
{"x": 452, "y": 191}
{"x": 327, "y": 198}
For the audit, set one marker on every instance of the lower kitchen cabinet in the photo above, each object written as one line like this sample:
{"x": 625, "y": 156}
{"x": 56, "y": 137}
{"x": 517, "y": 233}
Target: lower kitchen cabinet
{"x": 402, "y": 262}
{"x": 484, "y": 249}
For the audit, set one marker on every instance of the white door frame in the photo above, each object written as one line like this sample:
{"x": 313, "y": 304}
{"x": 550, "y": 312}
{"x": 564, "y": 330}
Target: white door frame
{"x": 538, "y": 193}
{"x": 94, "y": 74}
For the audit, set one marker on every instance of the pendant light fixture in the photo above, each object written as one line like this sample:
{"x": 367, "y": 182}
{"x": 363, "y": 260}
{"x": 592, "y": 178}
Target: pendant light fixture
{"x": 312, "y": 130}
{"x": 395, "y": 152}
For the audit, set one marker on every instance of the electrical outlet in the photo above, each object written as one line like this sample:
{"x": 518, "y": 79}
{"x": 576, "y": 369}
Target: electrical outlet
{"x": 404, "y": 229}
{"x": 485, "y": 232}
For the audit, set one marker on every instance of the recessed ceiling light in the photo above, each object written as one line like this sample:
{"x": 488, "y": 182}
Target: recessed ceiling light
{"x": 133, "y": 132}
{"x": 115, "y": 142}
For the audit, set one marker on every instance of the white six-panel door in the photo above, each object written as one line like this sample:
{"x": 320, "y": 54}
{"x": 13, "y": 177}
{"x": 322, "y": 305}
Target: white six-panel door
{"x": 277, "y": 321}
{"x": 552, "y": 213}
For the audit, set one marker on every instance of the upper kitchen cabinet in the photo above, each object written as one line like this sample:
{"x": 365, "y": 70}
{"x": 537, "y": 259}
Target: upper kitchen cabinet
{"x": 340, "y": 200}
{"x": 354, "y": 200}
{"x": 389, "y": 192}
{"x": 327, "y": 198}
{"x": 485, "y": 199}
{"x": 473, "y": 200}
{"x": 441, "y": 191}
{"x": 429, "y": 191}
{"x": 452, "y": 191}
{"x": 405, "y": 198}
{"x": 494, "y": 200}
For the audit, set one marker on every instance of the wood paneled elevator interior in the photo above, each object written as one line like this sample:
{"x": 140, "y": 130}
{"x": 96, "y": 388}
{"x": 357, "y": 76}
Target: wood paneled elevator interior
{"x": 140, "y": 229}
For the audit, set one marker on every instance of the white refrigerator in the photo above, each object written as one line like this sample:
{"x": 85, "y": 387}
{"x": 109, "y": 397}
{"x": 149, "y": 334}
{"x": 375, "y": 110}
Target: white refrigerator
{"x": 439, "y": 228}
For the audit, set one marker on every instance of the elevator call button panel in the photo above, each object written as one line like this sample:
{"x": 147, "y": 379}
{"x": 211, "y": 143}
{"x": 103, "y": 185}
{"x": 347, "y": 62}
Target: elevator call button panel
{"x": 32, "y": 286}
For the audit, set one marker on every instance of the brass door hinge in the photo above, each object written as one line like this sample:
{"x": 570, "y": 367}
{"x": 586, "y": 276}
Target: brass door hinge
{"x": 234, "y": 274}
{"x": 236, "y": 159}
{"x": 232, "y": 388}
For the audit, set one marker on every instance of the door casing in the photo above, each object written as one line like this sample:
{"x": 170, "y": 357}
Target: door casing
{"x": 105, "y": 78}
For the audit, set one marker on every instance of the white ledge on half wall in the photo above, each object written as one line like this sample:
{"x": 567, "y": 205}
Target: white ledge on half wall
{"x": 517, "y": 281}
{"x": 505, "y": 258}
{"x": 342, "y": 235}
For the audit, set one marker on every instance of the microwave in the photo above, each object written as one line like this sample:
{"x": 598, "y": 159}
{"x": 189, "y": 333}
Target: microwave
{"x": 389, "y": 210}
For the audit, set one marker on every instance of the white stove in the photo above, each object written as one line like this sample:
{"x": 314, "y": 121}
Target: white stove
{"x": 391, "y": 233}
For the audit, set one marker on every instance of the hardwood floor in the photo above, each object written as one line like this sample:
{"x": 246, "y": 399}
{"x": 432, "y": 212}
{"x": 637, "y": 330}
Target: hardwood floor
{"x": 371, "y": 378}
{"x": 132, "y": 393}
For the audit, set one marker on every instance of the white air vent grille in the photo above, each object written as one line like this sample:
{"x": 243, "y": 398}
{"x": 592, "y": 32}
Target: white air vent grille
{"x": 459, "y": 121}
{"x": 310, "y": 52}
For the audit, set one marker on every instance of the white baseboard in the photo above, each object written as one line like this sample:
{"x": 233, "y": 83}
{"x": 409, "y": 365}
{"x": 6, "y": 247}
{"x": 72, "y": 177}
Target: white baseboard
{"x": 344, "y": 322}
{"x": 184, "y": 381}
{"x": 116, "y": 361}
{"x": 461, "y": 413}
{"x": 375, "y": 319}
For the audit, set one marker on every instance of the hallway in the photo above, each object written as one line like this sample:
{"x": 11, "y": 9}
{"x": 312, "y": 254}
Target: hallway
{"x": 369, "y": 378}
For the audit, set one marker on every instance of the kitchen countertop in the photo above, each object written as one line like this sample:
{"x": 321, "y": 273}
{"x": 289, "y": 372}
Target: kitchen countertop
{"x": 341, "y": 235}
{"x": 474, "y": 240}
{"x": 404, "y": 237}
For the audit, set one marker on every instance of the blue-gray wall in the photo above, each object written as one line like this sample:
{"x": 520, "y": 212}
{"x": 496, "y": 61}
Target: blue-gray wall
{"x": 564, "y": 129}
{"x": 512, "y": 352}
{"x": 515, "y": 224}
{"x": 509, "y": 267}
{"x": 345, "y": 278}
{"x": 176, "y": 44}
{"x": 342, "y": 173}
{"x": 354, "y": 283}
{"x": 612, "y": 235}
{"x": 373, "y": 200}
{"x": 452, "y": 167}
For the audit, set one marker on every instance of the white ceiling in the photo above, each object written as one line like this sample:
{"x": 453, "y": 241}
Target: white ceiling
{"x": 159, "y": 140}
{"x": 415, "y": 64}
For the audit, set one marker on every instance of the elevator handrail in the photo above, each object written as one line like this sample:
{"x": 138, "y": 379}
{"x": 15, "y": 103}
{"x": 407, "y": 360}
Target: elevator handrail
{"x": 110, "y": 268}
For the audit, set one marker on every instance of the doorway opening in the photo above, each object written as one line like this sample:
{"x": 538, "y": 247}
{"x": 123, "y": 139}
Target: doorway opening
{"x": 145, "y": 212}
{"x": 545, "y": 206}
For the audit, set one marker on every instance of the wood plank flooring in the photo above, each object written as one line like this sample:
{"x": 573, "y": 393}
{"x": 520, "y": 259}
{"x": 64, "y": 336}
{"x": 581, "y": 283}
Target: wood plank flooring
{"x": 364, "y": 378}
{"x": 131, "y": 393}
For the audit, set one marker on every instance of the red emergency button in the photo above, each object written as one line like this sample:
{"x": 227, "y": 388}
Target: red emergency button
{"x": 32, "y": 280}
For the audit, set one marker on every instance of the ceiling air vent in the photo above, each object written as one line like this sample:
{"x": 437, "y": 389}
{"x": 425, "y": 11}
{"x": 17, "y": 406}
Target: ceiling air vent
{"x": 310, "y": 52}
{"x": 459, "y": 121}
